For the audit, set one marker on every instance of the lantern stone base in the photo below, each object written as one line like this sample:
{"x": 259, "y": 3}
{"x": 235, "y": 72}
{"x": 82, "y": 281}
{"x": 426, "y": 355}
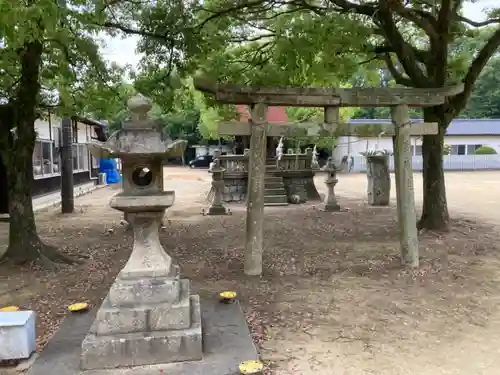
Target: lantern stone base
{"x": 331, "y": 207}
{"x": 216, "y": 210}
{"x": 144, "y": 334}
{"x": 226, "y": 343}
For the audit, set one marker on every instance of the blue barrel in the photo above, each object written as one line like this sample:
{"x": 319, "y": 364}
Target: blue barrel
{"x": 108, "y": 166}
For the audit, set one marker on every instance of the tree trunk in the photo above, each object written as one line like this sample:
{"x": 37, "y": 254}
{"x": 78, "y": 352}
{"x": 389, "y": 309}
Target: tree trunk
{"x": 24, "y": 243}
{"x": 435, "y": 214}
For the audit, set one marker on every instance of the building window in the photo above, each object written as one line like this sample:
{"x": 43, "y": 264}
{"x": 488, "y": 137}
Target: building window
{"x": 458, "y": 150}
{"x": 75, "y": 132}
{"x": 472, "y": 148}
{"x": 80, "y": 157}
{"x": 56, "y": 144}
{"x": 45, "y": 159}
{"x": 83, "y": 157}
{"x": 418, "y": 150}
{"x": 95, "y": 161}
{"x": 37, "y": 159}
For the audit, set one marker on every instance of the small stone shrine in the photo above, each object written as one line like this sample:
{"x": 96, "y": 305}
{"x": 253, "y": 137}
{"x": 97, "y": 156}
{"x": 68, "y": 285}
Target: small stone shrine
{"x": 379, "y": 179}
{"x": 149, "y": 316}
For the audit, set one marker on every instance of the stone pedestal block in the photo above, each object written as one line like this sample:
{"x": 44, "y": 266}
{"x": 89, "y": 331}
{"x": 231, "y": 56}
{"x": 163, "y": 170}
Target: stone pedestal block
{"x": 144, "y": 317}
{"x": 17, "y": 334}
{"x": 379, "y": 180}
{"x": 145, "y": 347}
{"x": 331, "y": 207}
{"x": 144, "y": 291}
{"x": 216, "y": 210}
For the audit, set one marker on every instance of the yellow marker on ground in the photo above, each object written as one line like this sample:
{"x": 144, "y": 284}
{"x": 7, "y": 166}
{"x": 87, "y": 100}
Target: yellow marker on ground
{"x": 227, "y": 296}
{"x": 78, "y": 307}
{"x": 9, "y": 309}
{"x": 251, "y": 367}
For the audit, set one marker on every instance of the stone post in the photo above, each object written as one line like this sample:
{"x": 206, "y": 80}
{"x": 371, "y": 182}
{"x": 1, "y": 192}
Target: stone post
{"x": 216, "y": 206}
{"x": 67, "y": 183}
{"x": 331, "y": 203}
{"x": 255, "y": 199}
{"x": 379, "y": 180}
{"x": 404, "y": 184}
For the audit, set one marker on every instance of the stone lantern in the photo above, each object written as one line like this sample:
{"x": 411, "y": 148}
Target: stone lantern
{"x": 148, "y": 316}
{"x": 216, "y": 206}
{"x": 331, "y": 180}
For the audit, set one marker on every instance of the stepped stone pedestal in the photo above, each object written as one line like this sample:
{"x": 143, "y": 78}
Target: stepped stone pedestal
{"x": 149, "y": 316}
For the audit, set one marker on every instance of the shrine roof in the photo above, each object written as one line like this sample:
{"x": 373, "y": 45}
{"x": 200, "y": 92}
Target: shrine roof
{"x": 275, "y": 114}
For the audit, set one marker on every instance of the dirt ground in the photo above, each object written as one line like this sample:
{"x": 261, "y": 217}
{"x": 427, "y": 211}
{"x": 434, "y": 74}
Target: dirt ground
{"x": 333, "y": 298}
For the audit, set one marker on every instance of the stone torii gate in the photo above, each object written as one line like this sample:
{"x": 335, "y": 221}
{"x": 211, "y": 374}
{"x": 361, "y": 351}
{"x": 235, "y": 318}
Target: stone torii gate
{"x": 259, "y": 98}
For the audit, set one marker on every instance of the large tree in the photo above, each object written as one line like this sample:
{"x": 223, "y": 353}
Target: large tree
{"x": 485, "y": 98}
{"x": 299, "y": 42}
{"x": 48, "y": 57}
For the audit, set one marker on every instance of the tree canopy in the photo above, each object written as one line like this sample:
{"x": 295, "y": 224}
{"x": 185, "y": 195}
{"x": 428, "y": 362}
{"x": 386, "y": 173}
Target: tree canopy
{"x": 49, "y": 59}
{"x": 422, "y": 44}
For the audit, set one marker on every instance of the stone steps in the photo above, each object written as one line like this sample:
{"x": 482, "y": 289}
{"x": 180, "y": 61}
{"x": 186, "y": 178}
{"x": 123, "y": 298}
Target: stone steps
{"x": 275, "y": 200}
{"x": 273, "y": 179}
{"x": 274, "y": 191}
{"x": 274, "y": 185}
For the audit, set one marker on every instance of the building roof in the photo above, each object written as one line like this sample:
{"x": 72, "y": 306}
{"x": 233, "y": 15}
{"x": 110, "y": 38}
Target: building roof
{"x": 457, "y": 126}
{"x": 274, "y": 114}
{"x": 90, "y": 122}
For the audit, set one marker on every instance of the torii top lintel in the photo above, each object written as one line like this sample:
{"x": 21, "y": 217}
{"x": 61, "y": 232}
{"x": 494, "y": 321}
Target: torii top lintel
{"x": 327, "y": 97}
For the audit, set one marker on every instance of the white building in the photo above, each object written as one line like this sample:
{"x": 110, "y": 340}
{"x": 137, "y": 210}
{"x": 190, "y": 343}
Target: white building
{"x": 463, "y": 135}
{"x": 47, "y": 162}
{"x": 46, "y": 158}
{"x": 201, "y": 150}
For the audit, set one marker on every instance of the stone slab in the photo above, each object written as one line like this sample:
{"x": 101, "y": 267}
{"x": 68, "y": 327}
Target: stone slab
{"x": 143, "y": 318}
{"x": 216, "y": 210}
{"x": 226, "y": 343}
{"x": 20, "y": 367}
{"x": 332, "y": 208}
{"x": 17, "y": 335}
{"x": 143, "y": 348}
{"x": 125, "y": 292}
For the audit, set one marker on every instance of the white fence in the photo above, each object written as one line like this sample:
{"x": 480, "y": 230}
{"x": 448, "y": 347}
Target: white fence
{"x": 450, "y": 163}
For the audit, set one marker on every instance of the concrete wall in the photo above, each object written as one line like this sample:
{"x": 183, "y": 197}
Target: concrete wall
{"x": 204, "y": 150}
{"x": 354, "y": 145}
{"x": 450, "y": 162}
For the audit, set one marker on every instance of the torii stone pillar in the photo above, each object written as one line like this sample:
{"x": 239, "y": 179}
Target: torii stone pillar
{"x": 149, "y": 316}
{"x": 254, "y": 240}
{"x": 404, "y": 186}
